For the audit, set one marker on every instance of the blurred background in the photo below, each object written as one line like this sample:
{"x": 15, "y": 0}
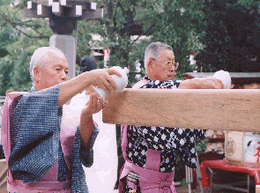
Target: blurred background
{"x": 206, "y": 35}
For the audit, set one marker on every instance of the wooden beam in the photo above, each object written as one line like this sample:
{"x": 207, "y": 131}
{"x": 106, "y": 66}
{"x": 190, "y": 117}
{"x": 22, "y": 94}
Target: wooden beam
{"x": 31, "y": 5}
{"x": 85, "y": 10}
{"x": 44, "y": 2}
{"x": 85, "y": 5}
{"x": 225, "y": 109}
{"x": 32, "y": 13}
{"x": 97, "y": 14}
{"x": 57, "y": 9}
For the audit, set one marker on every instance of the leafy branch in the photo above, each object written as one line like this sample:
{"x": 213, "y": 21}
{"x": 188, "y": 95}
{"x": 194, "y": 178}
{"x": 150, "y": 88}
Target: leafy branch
{"x": 15, "y": 24}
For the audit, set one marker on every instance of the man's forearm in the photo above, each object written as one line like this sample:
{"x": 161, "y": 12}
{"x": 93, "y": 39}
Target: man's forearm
{"x": 86, "y": 129}
{"x": 72, "y": 87}
{"x": 188, "y": 84}
{"x": 201, "y": 83}
{"x": 100, "y": 78}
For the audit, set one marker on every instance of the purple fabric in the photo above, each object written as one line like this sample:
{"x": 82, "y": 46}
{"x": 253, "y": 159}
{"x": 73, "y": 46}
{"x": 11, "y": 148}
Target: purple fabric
{"x": 150, "y": 181}
{"x": 70, "y": 144}
{"x": 49, "y": 180}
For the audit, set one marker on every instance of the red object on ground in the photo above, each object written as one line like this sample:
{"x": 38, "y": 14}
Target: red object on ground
{"x": 224, "y": 165}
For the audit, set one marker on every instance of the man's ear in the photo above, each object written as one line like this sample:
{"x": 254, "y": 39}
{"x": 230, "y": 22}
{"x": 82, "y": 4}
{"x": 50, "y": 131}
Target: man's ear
{"x": 150, "y": 64}
{"x": 37, "y": 73}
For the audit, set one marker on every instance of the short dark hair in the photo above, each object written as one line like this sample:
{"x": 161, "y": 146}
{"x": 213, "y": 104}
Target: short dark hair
{"x": 87, "y": 63}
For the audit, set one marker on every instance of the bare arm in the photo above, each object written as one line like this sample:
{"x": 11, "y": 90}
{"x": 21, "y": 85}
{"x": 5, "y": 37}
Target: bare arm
{"x": 202, "y": 83}
{"x": 100, "y": 77}
{"x": 94, "y": 105}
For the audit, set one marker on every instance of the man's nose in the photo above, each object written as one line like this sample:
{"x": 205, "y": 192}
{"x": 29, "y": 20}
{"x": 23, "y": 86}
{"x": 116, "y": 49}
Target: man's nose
{"x": 64, "y": 76}
{"x": 172, "y": 68}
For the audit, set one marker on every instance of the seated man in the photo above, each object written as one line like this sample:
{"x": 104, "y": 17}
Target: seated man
{"x": 42, "y": 154}
{"x": 151, "y": 152}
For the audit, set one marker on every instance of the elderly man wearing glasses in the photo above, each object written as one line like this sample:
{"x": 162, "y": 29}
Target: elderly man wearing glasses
{"x": 151, "y": 152}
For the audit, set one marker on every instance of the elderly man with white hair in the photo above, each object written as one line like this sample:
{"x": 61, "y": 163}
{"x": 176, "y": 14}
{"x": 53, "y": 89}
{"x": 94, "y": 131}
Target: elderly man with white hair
{"x": 151, "y": 152}
{"x": 43, "y": 154}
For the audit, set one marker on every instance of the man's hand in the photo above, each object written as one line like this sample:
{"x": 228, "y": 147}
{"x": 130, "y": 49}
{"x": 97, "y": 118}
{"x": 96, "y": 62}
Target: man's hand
{"x": 213, "y": 83}
{"x": 94, "y": 105}
{"x": 202, "y": 83}
{"x": 102, "y": 79}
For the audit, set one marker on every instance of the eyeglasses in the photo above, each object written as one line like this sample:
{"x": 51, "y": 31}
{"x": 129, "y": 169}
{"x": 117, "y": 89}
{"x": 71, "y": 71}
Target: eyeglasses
{"x": 169, "y": 64}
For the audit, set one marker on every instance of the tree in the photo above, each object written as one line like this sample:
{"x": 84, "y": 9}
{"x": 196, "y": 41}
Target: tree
{"x": 165, "y": 21}
{"x": 122, "y": 20}
{"x": 225, "y": 34}
{"x": 117, "y": 29}
{"x": 175, "y": 25}
{"x": 19, "y": 37}
{"x": 230, "y": 36}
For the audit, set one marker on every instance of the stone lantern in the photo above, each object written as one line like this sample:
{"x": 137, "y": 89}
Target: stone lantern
{"x": 63, "y": 16}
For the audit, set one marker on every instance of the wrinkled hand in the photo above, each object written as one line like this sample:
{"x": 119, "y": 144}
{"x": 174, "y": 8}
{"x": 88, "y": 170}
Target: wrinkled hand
{"x": 102, "y": 79}
{"x": 94, "y": 105}
{"x": 214, "y": 83}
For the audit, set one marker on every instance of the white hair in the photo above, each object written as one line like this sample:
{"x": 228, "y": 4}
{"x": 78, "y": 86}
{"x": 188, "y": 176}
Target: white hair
{"x": 153, "y": 50}
{"x": 42, "y": 56}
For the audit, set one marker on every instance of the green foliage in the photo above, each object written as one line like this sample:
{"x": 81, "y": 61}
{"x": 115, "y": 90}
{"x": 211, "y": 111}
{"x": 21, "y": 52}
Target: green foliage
{"x": 117, "y": 28}
{"x": 230, "y": 36}
{"x": 19, "y": 37}
{"x": 154, "y": 18}
{"x": 225, "y": 34}
{"x": 5, "y": 78}
{"x": 172, "y": 22}
{"x": 201, "y": 146}
{"x": 22, "y": 79}
{"x": 84, "y": 38}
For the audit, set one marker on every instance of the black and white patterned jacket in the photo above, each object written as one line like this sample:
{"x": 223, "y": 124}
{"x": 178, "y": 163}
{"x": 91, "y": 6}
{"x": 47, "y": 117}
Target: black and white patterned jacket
{"x": 170, "y": 141}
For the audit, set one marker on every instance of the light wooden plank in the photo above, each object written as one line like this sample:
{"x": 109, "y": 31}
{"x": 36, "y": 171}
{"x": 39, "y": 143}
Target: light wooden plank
{"x": 44, "y": 2}
{"x": 90, "y": 14}
{"x": 85, "y": 5}
{"x": 225, "y": 109}
{"x": 32, "y": 13}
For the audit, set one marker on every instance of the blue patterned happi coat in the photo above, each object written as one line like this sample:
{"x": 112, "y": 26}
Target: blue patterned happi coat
{"x": 35, "y": 138}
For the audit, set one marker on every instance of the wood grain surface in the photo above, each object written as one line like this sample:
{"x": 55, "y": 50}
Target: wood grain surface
{"x": 216, "y": 109}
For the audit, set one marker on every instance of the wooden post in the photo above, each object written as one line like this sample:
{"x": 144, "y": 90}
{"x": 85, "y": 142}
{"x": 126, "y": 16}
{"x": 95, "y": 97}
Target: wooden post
{"x": 67, "y": 44}
{"x": 225, "y": 109}
{"x": 63, "y": 16}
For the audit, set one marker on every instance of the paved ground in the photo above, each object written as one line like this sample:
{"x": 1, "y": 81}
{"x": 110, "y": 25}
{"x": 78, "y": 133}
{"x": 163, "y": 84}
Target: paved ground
{"x": 180, "y": 189}
{"x": 225, "y": 179}
{"x": 3, "y": 189}
{"x": 183, "y": 189}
